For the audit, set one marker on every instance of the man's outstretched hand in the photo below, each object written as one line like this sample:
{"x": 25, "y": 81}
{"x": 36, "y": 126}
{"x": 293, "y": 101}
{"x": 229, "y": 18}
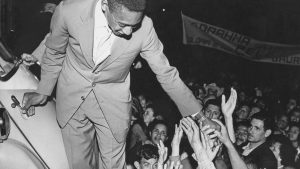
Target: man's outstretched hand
{"x": 31, "y": 99}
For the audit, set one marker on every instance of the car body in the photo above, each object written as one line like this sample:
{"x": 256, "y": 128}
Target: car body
{"x": 26, "y": 142}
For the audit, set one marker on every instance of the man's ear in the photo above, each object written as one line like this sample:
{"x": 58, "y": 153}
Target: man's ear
{"x": 268, "y": 133}
{"x": 137, "y": 165}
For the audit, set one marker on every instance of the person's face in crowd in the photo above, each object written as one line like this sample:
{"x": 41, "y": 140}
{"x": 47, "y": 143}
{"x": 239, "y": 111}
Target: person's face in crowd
{"x": 275, "y": 148}
{"x": 241, "y": 134}
{"x": 294, "y": 133}
{"x": 148, "y": 164}
{"x": 142, "y": 101}
{"x": 243, "y": 112}
{"x": 292, "y": 103}
{"x": 242, "y": 96}
{"x": 283, "y": 122}
{"x": 212, "y": 112}
{"x": 256, "y": 131}
{"x": 49, "y": 7}
{"x": 201, "y": 94}
{"x": 254, "y": 110}
{"x": 211, "y": 91}
{"x": 159, "y": 132}
{"x": 295, "y": 117}
{"x": 261, "y": 103}
{"x": 121, "y": 20}
{"x": 149, "y": 115}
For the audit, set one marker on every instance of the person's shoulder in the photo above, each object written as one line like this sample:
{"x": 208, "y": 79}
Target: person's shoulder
{"x": 146, "y": 26}
{"x": 263, "y": 151}
{"x": 147, "y": 22}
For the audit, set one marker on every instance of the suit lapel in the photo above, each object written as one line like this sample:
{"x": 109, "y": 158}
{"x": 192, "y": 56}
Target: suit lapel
{"x": 86, "y": 32}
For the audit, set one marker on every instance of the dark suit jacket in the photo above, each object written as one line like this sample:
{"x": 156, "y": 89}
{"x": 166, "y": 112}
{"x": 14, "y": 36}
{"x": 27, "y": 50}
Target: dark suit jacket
{"x": 68, "y": 60}
{"x": 263, "y": 157}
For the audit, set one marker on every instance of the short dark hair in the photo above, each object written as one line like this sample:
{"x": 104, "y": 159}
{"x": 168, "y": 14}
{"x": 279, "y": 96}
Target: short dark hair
{"x": 215, "y": 102}
{"x": 245, "y": 123}
{"x": 268, "y": 121}
{"x": 147, "y": 151}
{"x": 131, "y": 5}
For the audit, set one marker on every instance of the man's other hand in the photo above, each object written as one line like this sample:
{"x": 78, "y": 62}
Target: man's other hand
{"x": 28, "y": 59}
{"x": 31, "y": 99}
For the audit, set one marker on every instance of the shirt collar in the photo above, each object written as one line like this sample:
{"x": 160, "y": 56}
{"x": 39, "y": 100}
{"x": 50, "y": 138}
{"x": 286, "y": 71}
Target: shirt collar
{"x": 101, "y": 17}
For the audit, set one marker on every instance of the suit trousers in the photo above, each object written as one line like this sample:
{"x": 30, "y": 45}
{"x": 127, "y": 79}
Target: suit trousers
{"x": 88, "y": 140}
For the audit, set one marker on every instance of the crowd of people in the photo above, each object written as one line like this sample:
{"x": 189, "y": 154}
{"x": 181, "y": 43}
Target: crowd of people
{"x": 257, "y": 131}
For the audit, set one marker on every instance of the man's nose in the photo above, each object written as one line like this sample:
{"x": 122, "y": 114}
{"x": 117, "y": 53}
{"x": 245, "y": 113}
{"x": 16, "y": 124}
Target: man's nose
{"x": 127, "y": 30}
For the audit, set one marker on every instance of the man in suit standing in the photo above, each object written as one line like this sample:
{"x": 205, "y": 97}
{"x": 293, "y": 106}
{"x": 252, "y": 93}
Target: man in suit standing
{"x": 89, "y": 52}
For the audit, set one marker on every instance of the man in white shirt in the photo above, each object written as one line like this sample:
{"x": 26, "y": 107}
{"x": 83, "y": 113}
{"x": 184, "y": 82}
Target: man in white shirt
{"x": 90, "y": 50}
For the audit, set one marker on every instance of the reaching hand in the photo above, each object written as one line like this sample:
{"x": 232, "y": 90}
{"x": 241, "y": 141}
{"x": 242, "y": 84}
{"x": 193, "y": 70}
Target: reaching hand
{"x": 30, "y": 100}
{"x": 223, "y": 135}
{"x": 228, "y": 107}
{"x": 202, "y": 149}
{"x": 209, "y": 148}
{"x": 28, "y": 59}
{"x": 192, "y": 131}
{"x": 176, "y": 140}
{"x": 163, "y": 154}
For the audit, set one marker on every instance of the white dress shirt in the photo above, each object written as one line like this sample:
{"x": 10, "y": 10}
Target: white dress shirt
{"x": 103, "y": 36}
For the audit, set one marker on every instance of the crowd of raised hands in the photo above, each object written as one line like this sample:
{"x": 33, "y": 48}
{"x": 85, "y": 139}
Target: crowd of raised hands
{"x": 204, "y": 140}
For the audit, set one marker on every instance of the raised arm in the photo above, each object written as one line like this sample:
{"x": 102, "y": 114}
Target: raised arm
{"x": 227, "y": 110}
{"x": 235, "y": 159}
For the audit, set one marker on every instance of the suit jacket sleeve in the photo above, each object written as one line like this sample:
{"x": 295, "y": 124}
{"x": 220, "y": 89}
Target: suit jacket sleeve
{"x": 55, "y": 52}
{"x": 40, "y": 50}
{"x": 168, "y": 76}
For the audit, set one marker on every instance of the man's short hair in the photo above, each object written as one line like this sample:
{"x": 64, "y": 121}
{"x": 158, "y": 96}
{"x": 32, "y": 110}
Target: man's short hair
{"x": 268, "y": 121}
{"x": 245, "y": 123}
{"x": 131, "y": 5}
{"x": 215, "y": 102}
{"x": 147, "y": 151}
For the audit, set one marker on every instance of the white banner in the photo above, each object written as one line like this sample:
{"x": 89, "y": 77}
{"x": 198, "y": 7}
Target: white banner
{"x": 199, "y": 33}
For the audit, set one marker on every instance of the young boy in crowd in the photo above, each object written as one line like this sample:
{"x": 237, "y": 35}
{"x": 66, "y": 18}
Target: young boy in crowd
{"x": 147, "y": 157}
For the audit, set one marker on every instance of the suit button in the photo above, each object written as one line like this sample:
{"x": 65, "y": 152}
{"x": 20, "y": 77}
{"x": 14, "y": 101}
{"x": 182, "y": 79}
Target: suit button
{"x": 82, "y": 98}
{"x": 93, "y": 84}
